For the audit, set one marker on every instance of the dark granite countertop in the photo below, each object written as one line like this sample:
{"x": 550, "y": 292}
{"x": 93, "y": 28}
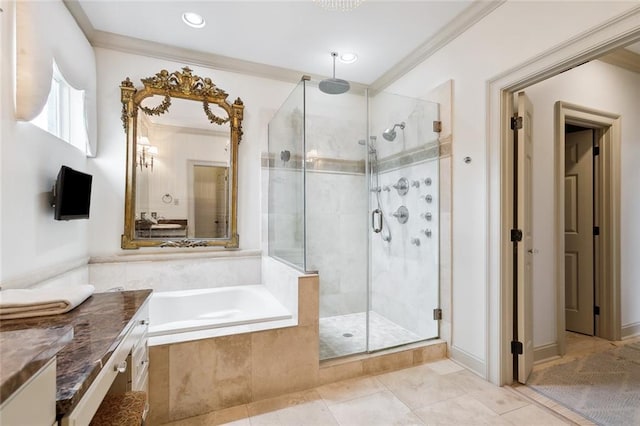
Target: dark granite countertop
{"x": 98, "y": 324}
{"x": 24, "y": 352}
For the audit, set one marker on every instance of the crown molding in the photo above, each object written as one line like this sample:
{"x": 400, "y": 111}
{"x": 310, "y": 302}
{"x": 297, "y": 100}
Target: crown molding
{"x": 80, "y": 17}
{"x": 102, "y": 39}
{"x": 623, "y": 58}
{"x": 466, "y": 19}
{"x": 136, "y": 46}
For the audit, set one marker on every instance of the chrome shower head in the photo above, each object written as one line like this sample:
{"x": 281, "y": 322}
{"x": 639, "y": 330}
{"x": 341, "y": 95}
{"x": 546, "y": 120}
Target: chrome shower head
{"x": 334, "y": 86}
{"x": 390, "y": 134}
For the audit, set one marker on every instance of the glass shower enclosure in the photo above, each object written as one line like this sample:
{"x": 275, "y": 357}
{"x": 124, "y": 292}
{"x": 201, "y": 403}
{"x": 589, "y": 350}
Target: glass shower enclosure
{"x": 353, "y": 193}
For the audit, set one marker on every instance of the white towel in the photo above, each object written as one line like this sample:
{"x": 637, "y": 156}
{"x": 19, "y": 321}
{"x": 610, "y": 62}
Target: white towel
{"x": 38, "y": 302}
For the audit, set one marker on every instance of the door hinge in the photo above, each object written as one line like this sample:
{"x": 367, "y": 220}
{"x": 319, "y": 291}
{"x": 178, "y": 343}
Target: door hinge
{"x": 516, "y": 123}
{"x": 596, "y": 310}
{"x": 437, "y": 126}
{"x": 596, "y": 150}
{"x": 516, "y": 348}
{"x": 437, "y": 314}
{"x": 516, "y": 235}
{"x": 596, "y": 230}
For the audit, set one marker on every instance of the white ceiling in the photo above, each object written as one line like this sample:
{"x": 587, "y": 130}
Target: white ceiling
{"x": 296, "y": 35}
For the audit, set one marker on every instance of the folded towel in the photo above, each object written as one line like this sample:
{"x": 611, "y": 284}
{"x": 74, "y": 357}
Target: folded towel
{"x": 38, "y": 302}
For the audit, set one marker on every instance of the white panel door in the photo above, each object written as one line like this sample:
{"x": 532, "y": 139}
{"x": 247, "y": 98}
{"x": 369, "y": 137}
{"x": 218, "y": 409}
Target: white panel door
{"x": 578, "y": 234}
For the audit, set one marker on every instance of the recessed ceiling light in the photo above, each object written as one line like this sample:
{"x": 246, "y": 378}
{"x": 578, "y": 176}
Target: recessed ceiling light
{"x": 192, "y": 19}
{"x": 348, "y": 58}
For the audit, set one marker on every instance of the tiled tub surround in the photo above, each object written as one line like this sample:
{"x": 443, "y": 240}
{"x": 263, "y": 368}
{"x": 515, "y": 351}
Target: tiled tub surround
{"x": 164, "y": 269}
{"x": 99, "y": 324}
{"x": 200, "y": 376}
{"x": 196, "y": 377}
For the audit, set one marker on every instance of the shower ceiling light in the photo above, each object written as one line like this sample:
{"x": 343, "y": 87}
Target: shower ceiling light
{"x": 341, "y": 5}
{"x": 193, "y": 20}
{"x": 348, "y": 58}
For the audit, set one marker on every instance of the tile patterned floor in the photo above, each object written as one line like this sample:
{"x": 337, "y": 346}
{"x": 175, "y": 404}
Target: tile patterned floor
{"x": 577, "y": 346}
{"x": 438, "y": 393}
{"x": 346, "y": 334}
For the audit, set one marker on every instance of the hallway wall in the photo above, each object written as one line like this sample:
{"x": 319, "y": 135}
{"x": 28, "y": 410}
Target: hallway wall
{"x": 603, "y": 87}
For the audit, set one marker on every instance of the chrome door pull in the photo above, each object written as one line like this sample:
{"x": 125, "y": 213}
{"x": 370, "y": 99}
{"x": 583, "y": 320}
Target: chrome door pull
{"x": 376, "y": 213}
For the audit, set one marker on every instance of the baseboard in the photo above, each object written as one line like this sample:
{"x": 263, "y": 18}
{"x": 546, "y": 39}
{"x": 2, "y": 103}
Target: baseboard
{"x": 630, "y": 330}
{"x": 469, "y": 361}
{"x": 544, "y": 352}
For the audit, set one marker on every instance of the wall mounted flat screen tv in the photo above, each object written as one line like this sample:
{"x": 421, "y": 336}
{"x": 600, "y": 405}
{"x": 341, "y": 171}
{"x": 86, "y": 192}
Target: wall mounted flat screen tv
{"x": 71, "y": 194}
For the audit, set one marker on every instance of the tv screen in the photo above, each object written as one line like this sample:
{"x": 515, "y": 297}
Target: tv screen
{"x": 71, "y": 194}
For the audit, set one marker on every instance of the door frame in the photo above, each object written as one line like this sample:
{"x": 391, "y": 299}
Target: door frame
{"x": 611, "y": 34}
{"x": 192, "y": 199}
{"x": 607, "y": 127}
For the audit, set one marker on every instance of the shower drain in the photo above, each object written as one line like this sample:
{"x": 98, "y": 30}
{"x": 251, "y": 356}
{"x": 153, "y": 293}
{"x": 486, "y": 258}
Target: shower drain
{"x": 347, "y": 335}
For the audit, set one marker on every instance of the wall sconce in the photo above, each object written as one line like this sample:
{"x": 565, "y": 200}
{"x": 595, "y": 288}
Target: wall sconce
{"x": 146, "y": 152}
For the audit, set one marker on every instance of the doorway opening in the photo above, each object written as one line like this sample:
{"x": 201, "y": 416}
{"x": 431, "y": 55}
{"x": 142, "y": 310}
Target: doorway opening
{"x": 501, "y": 182}
{"x": 587, "y": 183}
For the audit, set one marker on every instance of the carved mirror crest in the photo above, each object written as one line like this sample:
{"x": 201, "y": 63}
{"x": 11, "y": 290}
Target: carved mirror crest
{"x": 182, "y": 162}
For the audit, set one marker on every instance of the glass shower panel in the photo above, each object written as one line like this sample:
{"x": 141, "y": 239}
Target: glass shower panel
{"x": 286, "y": 181}
{"x": 336, "y": 215}
{"x": 404, "y": 193}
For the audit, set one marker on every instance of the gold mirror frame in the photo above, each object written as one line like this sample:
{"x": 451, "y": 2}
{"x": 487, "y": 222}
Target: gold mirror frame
{"x": 183, "y": 85}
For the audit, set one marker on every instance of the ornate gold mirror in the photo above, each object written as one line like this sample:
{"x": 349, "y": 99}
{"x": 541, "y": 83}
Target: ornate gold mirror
{"x": 182, "y": 162}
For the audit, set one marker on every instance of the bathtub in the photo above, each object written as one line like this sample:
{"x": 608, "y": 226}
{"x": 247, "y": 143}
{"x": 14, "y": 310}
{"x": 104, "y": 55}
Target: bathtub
{"x": 184, "y": 315}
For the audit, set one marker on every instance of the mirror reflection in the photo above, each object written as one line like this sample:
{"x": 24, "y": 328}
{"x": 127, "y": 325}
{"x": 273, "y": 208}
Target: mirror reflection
{"x": 182, "y": 144}
{"x": 182, "y": 190}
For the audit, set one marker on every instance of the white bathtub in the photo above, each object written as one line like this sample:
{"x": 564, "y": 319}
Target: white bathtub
{"x": 178, "y": 316}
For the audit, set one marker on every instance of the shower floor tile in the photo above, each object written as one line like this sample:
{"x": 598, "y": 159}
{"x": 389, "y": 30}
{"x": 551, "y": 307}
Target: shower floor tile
{"x": 346, "y": 334}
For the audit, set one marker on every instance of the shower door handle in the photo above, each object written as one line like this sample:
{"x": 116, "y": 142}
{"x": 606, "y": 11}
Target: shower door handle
{"x": 377, "y": 227}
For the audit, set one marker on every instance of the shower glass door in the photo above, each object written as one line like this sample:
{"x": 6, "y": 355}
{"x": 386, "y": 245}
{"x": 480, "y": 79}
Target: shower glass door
{"x": 353, "y": 193}
{"x": 403, "y": 194}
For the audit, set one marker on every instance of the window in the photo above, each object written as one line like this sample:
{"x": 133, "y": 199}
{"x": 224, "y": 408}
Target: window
{"x": 64, "y": 115}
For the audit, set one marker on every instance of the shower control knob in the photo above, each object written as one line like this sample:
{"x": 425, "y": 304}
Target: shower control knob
{"x": 375, "y": 189}
{"x": 386, "y": 188}
{"x": 415, "y": 183}
{"x": 428, "y": 198}
{"x": 415, "y": 242}
{"x": 402, "y": 186}
{"x": 402, "y": 214}
{"x": 427, "y": 232}
{"x": 427, "y": 181}
{"x": 426, "y": 215}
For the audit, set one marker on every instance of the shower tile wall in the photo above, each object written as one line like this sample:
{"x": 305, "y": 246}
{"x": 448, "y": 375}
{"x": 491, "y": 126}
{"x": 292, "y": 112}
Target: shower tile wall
{"x": 336, "y": 200}
{"x": 336, "y": 238}
{"x": 405, "y": 276}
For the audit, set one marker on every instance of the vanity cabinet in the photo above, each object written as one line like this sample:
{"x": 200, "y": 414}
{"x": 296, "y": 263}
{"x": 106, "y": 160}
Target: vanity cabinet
{"x": 19, "y": 410}
{"x": 28, "y": 368}
{"x": 100, "y": 348}
{"x": 126, "y": 369}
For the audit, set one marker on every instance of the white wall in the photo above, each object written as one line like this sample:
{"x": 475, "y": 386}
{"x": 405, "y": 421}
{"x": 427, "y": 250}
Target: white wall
{"x": 604, "y": 87}
{"x": 32, "y": 241}
{"x": 261, "y": 97}
{"x": 512, "y": 34}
